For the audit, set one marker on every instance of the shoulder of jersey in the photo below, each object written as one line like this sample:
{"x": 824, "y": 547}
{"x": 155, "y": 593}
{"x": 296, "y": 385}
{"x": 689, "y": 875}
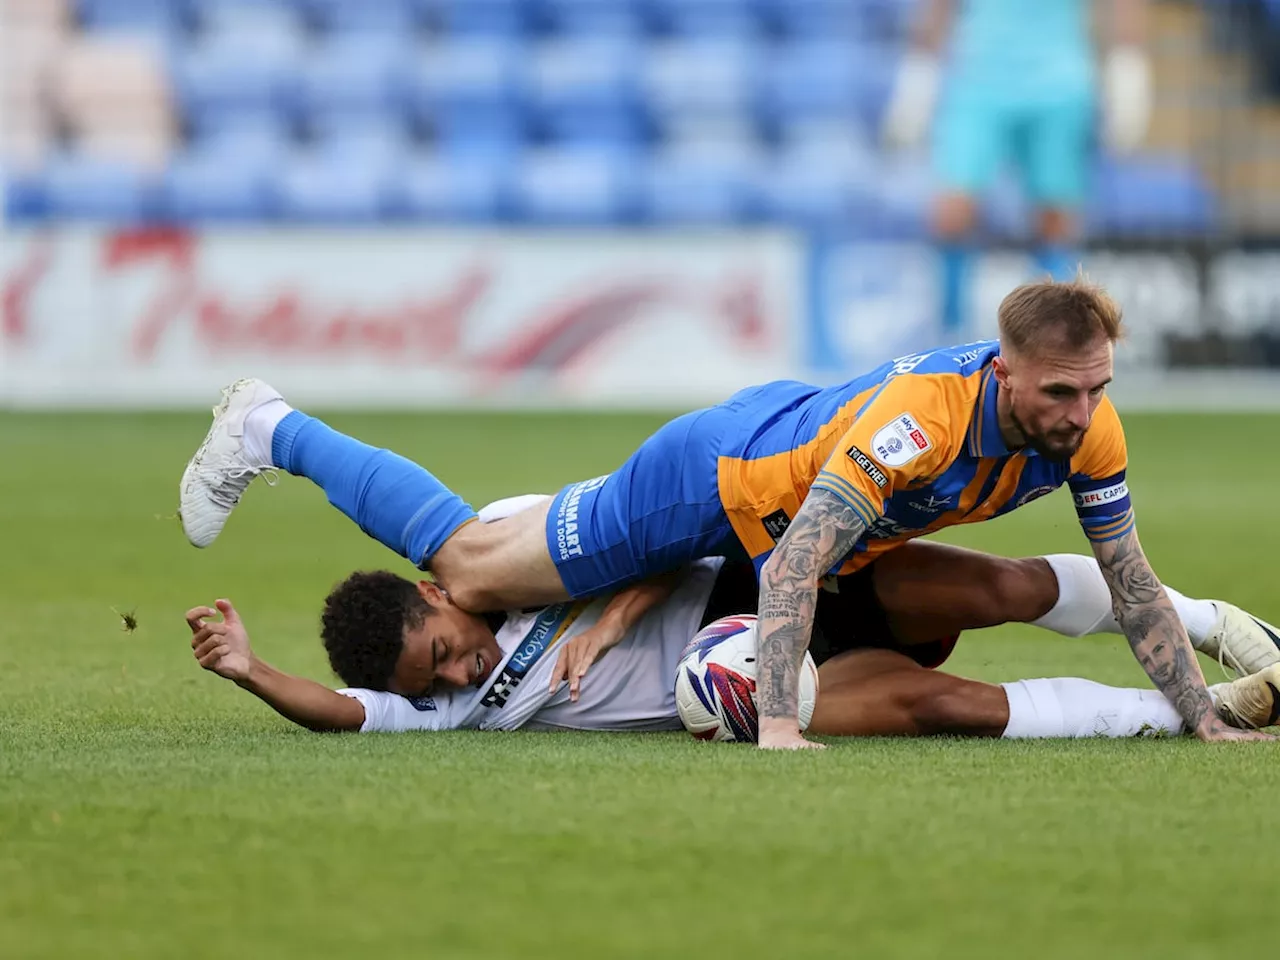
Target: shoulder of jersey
{"x": 965, "y": 359}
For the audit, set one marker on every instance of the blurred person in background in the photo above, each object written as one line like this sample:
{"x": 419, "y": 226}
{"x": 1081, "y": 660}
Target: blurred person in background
{"x": 1016, "y": 80}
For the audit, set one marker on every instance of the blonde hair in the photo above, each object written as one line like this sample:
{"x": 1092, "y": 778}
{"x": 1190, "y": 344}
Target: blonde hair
{"x": 1051, "y": 313}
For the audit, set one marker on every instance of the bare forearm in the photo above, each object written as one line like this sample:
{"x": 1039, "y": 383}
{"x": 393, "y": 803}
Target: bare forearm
{"x": 824, "y": 530}
{"x": 1153, "y": 628}
{"x": 626, "y": 607}
{"x": 305, "y": 702}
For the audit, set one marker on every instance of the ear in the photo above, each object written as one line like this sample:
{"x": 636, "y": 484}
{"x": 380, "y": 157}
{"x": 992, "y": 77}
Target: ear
{"x": 433, "y": 593}
{"x": 1000, "y": 367}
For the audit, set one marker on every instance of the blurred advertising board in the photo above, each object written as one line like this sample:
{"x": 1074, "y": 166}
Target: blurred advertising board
{"x": 163, "y": 317}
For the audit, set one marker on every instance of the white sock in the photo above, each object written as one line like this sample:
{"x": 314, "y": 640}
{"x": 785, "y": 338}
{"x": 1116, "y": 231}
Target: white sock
{"x": 1084, "y": 602}
{"x": 1066, "y": 707}
{"x": 259, "y": 425}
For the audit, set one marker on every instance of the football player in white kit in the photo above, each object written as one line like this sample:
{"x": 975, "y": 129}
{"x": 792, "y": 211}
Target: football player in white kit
{"x": 412, "y": 660}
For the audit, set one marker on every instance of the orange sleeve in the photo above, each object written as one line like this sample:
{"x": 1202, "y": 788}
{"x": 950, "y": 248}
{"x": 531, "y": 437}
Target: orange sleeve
{"x": 1097, "y": 482}
{"x": 904, "y": 434}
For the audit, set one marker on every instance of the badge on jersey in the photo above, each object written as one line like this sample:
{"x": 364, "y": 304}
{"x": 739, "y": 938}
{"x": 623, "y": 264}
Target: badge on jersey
{"x": 899, "y": 441}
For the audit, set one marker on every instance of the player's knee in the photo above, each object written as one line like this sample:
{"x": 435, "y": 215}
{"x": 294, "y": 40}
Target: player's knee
{"x": 954, "y": 709}
{"x": 1018, "y": 591}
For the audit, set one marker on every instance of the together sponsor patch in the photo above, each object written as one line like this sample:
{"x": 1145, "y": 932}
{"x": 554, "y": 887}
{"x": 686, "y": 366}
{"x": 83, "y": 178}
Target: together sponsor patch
{"x": 868, "y": 466}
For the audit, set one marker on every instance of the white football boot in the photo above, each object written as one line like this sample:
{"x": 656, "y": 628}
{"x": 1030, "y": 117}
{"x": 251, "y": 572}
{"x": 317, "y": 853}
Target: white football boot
{"x": 1250, "y": 702}
{"x": 1241, "y": 641}
{"x": 218, "y": 474}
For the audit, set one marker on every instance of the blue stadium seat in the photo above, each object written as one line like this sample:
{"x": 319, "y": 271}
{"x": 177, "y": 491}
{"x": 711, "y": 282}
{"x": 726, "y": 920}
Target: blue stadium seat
{"x": 810, "y": 19}
{"x": 361, "y": 15}
{"x": 333, "y": 186}
{"x": 161, "y": 17}
{"x": 575, "y": 187}
{"x": 595, "y": 18}
{"x": 812, "y": 189}
{"x": 250, "y": 136}
{"x": 813, "y": 79}
{"x": 585, "y": 91}
{"x": 249, "y": 16}
{"x": 700, "y": 79}
{"x": 467, "y": 90}
{"x": 454, "y": 189}
{"x": 719, "y": 19}
{"x": 501, "y": 18}
{"x": 1151, "y": 195}
{"x": 708, "y": 185}
{"x": 376, "y": 140}
{"x": 357, "y": 73}
{"x": 86, "y": 188}
{"x": 235, "y": 72}
{"x": 211, "y": 185}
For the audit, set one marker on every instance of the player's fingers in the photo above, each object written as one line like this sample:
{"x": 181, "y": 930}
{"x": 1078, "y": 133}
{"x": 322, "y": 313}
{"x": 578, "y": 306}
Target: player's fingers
{"x": 213, "y": 656}
{"x": 194, "y": 616}
{"x": 559, "y": 671}
{"x": 228, "y": 612}
{"x": 210, "y": 644}
{"x": 200, "y": 636}
{"x": 208, "y": 630}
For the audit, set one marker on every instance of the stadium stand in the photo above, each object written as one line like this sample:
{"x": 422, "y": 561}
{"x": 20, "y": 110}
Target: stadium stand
{"x": 553, "y": 111}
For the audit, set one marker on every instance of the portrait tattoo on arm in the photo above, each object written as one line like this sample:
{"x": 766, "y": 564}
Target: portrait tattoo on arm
{"x": 824, "y": 530}
{"x": 1152, "y": 626}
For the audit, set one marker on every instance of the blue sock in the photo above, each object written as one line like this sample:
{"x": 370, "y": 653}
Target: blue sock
{"x": 392, "y": 499}
{"x": 955, "y": 286}
{"x": 1058, "y": 261}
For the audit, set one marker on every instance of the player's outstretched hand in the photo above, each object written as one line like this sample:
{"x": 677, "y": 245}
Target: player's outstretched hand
{"x": 778, "y": 734}
{"x": 577, "y": 656}
{"x": 1214, "y": 730}
{"x": 221, "y": 646}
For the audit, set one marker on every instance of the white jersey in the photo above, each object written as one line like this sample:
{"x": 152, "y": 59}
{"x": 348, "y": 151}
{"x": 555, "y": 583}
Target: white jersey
{"x": 632, "y": 687}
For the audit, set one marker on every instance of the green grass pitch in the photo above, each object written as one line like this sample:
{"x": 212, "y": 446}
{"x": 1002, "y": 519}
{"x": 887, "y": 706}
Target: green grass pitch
{"x": 148, "y": 809}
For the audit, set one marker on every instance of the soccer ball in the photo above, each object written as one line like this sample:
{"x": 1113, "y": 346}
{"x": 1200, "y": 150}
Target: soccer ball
{"x": 716, "y": 682}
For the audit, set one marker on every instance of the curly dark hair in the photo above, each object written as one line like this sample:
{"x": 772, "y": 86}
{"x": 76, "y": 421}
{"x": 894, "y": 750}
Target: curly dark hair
{"x": 363, "y": 625}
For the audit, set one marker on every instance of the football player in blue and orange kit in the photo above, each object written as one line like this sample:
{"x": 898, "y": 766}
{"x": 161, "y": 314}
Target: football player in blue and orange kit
{"x": 807, "y": 482}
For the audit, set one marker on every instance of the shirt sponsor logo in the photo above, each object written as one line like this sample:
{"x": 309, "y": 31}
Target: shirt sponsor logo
{"x": 930, "y": 504}
{"x": 1096, "y": 498}
{"x": 422, "y": 704}
{"x": 551, "y": 624}
{"x": 568, "y": 540}
{"x": 907, "y": 364}
{"x": 867, "y": 466}
{"x": 900, "y": 441}
{"x": 887, "y": 529}
{"x": 775, "y": 524}
{"x": 1034, "y": 493}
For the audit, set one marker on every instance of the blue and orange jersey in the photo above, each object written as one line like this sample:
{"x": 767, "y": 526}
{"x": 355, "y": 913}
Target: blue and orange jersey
{"x": 912, "y": 447}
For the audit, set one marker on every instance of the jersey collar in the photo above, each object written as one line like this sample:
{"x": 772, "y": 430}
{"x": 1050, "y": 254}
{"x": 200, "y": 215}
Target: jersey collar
{"x": 984, "y": 438}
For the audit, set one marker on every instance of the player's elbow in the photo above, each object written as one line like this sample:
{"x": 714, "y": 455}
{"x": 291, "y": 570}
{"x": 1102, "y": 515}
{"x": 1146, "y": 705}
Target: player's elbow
{"x": 781, "y": 570}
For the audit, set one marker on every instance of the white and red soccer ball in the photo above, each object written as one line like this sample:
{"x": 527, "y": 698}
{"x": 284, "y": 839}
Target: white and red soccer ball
{"x": 716, "y": 682}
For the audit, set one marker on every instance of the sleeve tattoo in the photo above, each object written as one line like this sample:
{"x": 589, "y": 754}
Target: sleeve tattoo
{"x": 1151, "y": 624}
{"x": 824, "y": 530}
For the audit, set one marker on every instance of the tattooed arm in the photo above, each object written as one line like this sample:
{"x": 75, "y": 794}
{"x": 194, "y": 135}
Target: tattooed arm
{"x": 824, "y": 530}
{"x": 1158, "y": 638}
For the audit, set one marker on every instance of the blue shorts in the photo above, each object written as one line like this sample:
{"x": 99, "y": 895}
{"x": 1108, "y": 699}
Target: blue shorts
{"x": 1049, "y": 142}
{"x": 658, "y": 511}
